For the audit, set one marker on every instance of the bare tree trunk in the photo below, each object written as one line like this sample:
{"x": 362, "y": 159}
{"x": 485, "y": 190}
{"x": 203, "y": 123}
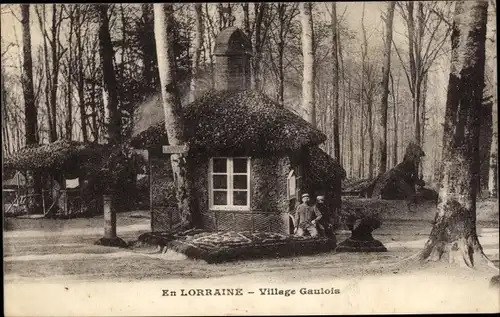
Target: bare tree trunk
{"x": 174, "y": 119}
{"x": 30, "y": 125}
{"x": 351, "y": 136}
{"x": 395, "y": 121}
{"x": 260, "y": 11}
{"x": 493, "y": 169}
{"x": 5, "y": 118}
{"x": 454, "y": 231}
{"x": 69, "y": 69}
{"x": 198, "y": 45}
{"x": 56, "y": 58}
{"x": 110, "y": 84}
{"x": 362, "y": 137}
{"x": 147, "y": 46}
{"x": 335, "y": 83}
{"x": 110, "y": 93}
{"x": 382, "y": 124}
{"x": 281, "y": 51}
{"x": 308, "y": 89}
{"x": 80, "y": 19}
{"x": 371, "y": 141}
{"x": 30, "y": 110}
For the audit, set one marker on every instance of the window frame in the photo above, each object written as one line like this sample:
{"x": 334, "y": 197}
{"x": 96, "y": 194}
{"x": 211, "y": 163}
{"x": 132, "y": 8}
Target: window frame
{"x": 230, "y": 184}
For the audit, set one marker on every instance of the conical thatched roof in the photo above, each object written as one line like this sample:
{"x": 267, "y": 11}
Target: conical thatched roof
{"x": 230, "y": 121}
{"x": 58, "y": 155}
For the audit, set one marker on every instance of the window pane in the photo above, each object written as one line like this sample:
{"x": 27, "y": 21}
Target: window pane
{"x": 240, "y": 182}
{"x": 220, "y": 198}
{"x": 220, "y": 181}
{"x": 219, "y": 166}
{"x": 240, "y": 198}
{"x": 239, "y": 165}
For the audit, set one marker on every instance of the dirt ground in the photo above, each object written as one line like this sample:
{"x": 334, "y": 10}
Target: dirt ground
{"x": 57, "y": 252}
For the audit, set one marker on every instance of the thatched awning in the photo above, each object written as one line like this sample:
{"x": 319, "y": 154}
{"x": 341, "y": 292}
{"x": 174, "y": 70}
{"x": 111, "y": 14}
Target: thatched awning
{"x": 323, "y": 168}
{"x": 59, "y": 155}
{"x": 232, "y": 120}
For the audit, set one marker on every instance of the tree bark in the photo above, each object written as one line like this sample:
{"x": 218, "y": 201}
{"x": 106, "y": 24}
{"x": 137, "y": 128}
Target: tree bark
{"x": 335, "y": 83}
{"x": 108, "y": 72}
{"x": 198, "y": 45}
{"x": 308, "y": 89}
{"x": 454, "y": 231}
{"x": 382, "y": 122}
{"x": 174, "y": 119}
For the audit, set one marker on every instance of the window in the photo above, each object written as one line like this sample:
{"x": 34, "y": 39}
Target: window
{"x": 230, "y": 183}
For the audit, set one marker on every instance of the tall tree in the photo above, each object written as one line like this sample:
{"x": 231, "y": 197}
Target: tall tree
{"x": 30, "y": 110}
{"x": 198, "y": 46}
{"x": 367, "y": 88}
{"x": 335, "y": 83}
{"x": 427, "y": 33}
{"x": 454, "y": 231}
{"x": 174, "y": 118}
{"x": 395, "y": 101}
{"x": 382, "y": 115}
{"x": 279, "y": 33}
{"x": 110, "y": 94}
{"x": 147, "y": 43}
{"x": 110, "y": 90}
{"x": 80, "y": 17}
{"x": 491, "y": 88}
{"x": 261, "y": 29}
{"x": 52, "y": 41}
{"x": 308, "y": 89}
{"x": 70, "y": 71}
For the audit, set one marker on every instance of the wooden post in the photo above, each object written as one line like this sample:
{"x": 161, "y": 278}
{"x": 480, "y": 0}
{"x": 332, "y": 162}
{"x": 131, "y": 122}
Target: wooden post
{"x": 110, "y": 238}
{"x": 109, "y": 218}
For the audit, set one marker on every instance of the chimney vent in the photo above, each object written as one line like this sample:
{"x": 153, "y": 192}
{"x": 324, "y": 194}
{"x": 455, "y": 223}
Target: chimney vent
{"x": 232, "y": 53}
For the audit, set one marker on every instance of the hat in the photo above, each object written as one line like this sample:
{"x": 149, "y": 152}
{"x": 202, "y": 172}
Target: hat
{"x": 320, "y": 197}
{"x": 305, "y": 195}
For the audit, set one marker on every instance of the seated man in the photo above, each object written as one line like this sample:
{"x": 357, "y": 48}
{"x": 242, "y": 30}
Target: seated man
{"x": 306, "y": 218}
{"x": 325, "y": 225}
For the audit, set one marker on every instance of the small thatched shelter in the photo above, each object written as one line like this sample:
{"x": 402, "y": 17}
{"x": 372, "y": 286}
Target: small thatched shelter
{"x": 63, "y": 167}
{"x": 250, "y": 158}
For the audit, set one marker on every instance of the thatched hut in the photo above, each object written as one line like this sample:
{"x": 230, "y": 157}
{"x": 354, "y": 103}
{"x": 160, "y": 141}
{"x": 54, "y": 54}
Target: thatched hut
{"x": 63, "y": 166}
{"x": 250, "y": 158}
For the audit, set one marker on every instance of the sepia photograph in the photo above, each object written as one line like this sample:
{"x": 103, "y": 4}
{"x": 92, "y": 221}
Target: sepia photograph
{"x": 250, "y": 158}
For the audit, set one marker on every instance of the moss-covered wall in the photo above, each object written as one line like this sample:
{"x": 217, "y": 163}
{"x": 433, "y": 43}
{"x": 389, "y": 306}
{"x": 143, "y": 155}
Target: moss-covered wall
{"x": 269, "y": 184}
{"x": 163, "y": 212}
